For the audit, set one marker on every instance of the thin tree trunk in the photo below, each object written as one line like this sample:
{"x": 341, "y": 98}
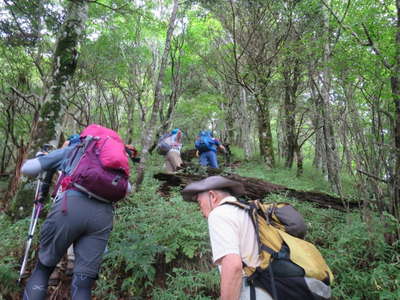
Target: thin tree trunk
{"x": 289, "y": 107}
{"x": 245, "y": 123}
{"x": 319, "y": 153}
{"x": 264, "y": 133}
{"x": 299, "y": 158}
{"x": 229, "y": 107}
{"x": 14, "y": 183}
{"x": 4, "y": 152}
{"x": 151, "y": 128}
{"x": 332, "y": 163}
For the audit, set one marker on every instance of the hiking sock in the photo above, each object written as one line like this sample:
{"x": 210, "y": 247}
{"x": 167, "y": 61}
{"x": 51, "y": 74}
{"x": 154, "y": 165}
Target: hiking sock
{"x": 81, "y": 287}
{"x": 36, "y": 288}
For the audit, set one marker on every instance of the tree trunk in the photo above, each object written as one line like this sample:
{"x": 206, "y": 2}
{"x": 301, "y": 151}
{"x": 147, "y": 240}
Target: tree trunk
{"x": 245, "y": 123}
{"x": 291, "y": 76}
{"x": 289, "y": 107}
{"x": 319, "y": 153}
{"x": 14, "y": 183}
{"x": 48, "y": 126}
{"x": 395, "y": 84}
{"x": 299, "y": 158}
{"x": 151, "y": 128}
{"x": 229, "y": 108}
{"x": 264, "y": 132}
{"x": 176, "y": 85}
{"x": 4, "y": 152}
{"x": 332, "y": 161}
{"x": 64, "y": 66}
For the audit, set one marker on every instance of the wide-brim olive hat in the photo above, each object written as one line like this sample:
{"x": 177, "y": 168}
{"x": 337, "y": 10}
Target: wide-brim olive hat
{"x": 212, "y": 183}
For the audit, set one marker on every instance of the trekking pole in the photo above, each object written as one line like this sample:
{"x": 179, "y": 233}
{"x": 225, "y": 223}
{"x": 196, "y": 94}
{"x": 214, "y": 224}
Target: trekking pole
{"x": 37, "y": 207}
{"x": 42, "y": 189}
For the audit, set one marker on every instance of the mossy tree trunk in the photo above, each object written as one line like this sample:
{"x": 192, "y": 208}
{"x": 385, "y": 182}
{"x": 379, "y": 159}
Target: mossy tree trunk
{"x": 64, "y": 65}
{"x": 264, "y": 132}
{"x": 47, "y": 128}
{"x": 292, "y": 76}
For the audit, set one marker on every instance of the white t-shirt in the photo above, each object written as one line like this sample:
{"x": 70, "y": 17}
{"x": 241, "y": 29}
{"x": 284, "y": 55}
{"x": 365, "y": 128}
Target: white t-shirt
{"x": 232, "y": 232}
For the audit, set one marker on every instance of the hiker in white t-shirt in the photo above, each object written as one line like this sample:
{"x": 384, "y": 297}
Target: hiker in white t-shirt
{"x": 232, "y": 235}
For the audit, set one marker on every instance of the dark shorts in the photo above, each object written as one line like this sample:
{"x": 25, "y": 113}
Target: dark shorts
{"x": 87, "y": 225}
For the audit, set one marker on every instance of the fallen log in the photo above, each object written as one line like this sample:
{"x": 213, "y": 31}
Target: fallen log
{"x": 254, "y": 188}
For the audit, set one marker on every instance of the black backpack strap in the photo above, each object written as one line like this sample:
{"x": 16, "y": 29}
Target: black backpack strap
{"x": 252, "y": 210}
{"x": 252, "y": 292}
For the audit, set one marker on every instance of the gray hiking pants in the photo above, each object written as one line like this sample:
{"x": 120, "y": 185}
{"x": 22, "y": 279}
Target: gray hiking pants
{"x": 86, "y": 225}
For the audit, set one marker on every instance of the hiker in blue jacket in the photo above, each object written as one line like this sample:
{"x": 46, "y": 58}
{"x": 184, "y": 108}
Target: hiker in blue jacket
{"x": 207, "y": 147}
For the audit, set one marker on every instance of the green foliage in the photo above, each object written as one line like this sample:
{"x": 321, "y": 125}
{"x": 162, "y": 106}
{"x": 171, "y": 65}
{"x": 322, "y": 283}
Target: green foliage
{"x": 152, "y": 234}
{"x": 206, "y": 108}
{"x": 21, "y": 205}
{"x": 13, "y": 237}
{"x": 184, "y": 284}
{"x": 159, "y": 247}
{"x": 373, "y": 264}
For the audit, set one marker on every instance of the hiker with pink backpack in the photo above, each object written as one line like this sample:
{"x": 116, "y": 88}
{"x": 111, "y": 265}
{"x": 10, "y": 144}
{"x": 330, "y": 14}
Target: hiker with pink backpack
{"x": 95, "y": 175}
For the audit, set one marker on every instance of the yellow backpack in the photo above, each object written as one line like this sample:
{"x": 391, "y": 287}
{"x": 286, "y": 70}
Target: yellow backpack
{"x": 285, "y": 256}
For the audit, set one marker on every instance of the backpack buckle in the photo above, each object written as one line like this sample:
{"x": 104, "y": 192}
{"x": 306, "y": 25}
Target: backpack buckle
{"x": 116, "y": 180}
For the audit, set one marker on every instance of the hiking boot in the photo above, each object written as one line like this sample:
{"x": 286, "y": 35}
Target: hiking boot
{"x": 54, "y": 277}
{"x": 70, "y": 268}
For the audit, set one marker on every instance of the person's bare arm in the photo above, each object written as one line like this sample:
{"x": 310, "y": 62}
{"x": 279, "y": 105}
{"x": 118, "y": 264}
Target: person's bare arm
{"x": 231, "y": 276}
{"x": 223, "y": 149}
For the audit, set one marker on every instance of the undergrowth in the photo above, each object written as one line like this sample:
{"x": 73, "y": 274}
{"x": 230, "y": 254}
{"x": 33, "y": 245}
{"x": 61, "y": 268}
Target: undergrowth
{"x": 159, "y": 247}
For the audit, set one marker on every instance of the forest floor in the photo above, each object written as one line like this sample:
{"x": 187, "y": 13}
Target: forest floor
{"x": 159, "y": 247}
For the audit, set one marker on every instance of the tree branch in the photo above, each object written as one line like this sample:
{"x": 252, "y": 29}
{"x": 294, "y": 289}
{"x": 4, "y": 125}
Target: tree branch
{"x": 370, "y": 42}
{"x": 375, "y": 49}
{"x": 372, "y": 176}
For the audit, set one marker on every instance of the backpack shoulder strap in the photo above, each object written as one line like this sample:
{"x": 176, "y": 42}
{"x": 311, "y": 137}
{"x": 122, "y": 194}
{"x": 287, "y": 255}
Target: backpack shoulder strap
{"x": 76, "y": 153}
{"x": 239, "y": 204}
{"x": 255, "y": 210}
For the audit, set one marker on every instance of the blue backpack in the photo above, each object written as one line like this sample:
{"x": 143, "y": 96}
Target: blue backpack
{"x": 205, "y": 142}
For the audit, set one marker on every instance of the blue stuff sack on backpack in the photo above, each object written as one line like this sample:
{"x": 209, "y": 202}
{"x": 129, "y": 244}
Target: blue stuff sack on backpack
{"x": 205, "y": 142}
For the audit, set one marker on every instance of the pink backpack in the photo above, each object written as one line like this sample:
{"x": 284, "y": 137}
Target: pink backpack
{"x": 98, "y": 166}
